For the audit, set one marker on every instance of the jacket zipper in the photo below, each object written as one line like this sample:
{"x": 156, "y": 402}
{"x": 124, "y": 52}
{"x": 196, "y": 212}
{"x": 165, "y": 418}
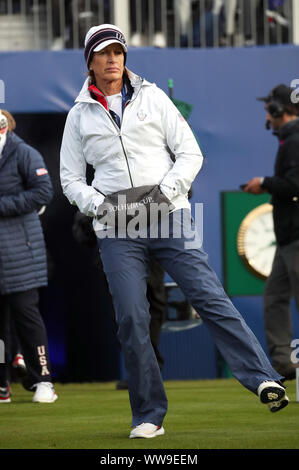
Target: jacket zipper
{"x": 120, "y": 137}
{"x": 99, "y": 191}
{"x": 122, "y": 145}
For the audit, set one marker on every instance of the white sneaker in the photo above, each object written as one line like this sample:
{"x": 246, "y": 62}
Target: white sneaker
{"x": 44, "y": 393}
{"x": 273, "y": 395}
{"x": 147, "y": 430}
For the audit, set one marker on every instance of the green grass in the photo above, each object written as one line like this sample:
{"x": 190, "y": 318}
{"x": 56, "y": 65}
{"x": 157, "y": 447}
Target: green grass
{"x": 203, "y": 414}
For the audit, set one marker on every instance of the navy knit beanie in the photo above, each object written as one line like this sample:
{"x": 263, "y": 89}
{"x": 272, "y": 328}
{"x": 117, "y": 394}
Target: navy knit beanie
{"x": 101, "y": 36}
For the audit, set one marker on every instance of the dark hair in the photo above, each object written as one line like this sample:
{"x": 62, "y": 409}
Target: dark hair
{"x": 291, "y": 109}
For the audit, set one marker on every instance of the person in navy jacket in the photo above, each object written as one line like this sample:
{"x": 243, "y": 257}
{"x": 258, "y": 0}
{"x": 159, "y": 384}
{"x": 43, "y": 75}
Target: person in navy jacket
{"x": 25, "y": 187}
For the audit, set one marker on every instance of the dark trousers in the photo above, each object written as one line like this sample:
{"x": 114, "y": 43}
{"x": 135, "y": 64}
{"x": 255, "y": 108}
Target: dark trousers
{"x": 31, "y": 331}
{"x": 156, "y": 297}
{"x": 281, "y": 286}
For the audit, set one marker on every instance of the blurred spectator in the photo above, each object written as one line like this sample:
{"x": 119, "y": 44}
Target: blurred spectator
{"x": 226, "y": 8}
{"x": 208, "y": 23}
{"x": 265, "y": 22}
{"x": 25, "y": 186}
{"x": 278, "y": 23}
{"x": 139, "y": 14}
{"x": 200, "y": 18}
{"x": 76, "y": 20}
{"x": 253, "y": 13}
{"x": 201, "y": 23}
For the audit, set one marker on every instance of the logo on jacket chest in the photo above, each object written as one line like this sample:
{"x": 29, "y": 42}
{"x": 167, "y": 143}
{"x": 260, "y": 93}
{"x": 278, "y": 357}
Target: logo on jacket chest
{"x": 141, "y": 115}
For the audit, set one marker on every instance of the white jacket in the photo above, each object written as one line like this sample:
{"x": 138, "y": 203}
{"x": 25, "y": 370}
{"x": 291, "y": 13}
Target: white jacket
{"x": 137, "y": 154}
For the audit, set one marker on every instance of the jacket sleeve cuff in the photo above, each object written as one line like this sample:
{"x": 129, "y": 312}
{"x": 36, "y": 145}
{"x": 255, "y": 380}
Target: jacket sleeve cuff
{"x": 97, "y": 201}
{"x": 169, "y": 191}
{"x": 264, "y": 182}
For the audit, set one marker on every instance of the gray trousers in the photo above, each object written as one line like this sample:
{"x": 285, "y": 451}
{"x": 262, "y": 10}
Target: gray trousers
{"x": 125, "y": 262}
{"x": 281, "y": 286}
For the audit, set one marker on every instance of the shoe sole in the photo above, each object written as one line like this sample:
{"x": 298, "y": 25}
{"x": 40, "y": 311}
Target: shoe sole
{"x": 46, "y": 401}
{"x": 278, "y": 405}
{"x": 159, "y": 432}
{"x": 274, "y": 397}
{"x": 272, "y": 394}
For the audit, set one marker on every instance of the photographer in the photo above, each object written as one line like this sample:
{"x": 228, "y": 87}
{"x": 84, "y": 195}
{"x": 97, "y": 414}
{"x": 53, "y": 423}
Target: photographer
{"x": 283, "y": 282}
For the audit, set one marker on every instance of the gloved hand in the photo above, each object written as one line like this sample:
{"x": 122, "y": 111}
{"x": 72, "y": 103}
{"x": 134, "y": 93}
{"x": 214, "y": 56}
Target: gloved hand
{"x": 82, "y": 230}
